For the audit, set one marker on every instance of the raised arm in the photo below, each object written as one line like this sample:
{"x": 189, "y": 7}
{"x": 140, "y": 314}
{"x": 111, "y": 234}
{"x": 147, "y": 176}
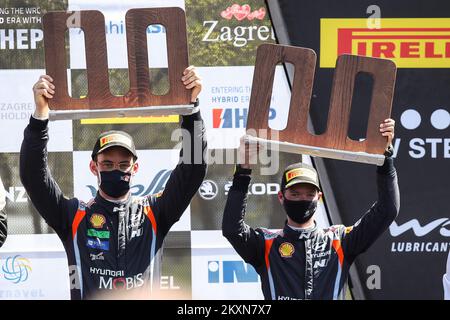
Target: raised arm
{"x": 35, "y": 175}
{"x": 248, "y": 242}
{"x": 383, "y": 212}
{"x": 188, "y": 175}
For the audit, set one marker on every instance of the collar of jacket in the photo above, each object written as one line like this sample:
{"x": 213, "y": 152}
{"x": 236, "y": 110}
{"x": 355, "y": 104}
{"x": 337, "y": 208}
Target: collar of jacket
{"x": 111, "y": 205}
{"x": 300, "y": 235}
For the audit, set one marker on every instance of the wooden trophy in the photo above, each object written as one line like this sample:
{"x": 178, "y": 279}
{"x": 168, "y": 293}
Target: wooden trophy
{"x": 334, "y": 143}
{"x": 138, "y": 100}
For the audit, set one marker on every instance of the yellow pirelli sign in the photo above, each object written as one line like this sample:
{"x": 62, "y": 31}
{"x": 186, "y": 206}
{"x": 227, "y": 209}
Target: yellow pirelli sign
{"x": 131, "y": 120}
{"x": 409, "y": 42}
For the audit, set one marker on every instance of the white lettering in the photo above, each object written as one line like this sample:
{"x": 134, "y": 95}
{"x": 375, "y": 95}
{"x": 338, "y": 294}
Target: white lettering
{"x": 416, "y": 145}
{"x": 239, "y": 40}
{"x": 36, "y": 35}
{"x": 105, "y": 285}
{"x": 433, "y": 143}
{"x": 419, "y": 147}
{"x": 210, "y": 30}
{"x": 239, "y": 36}
{"x": 21, "y": 39}
{"x": 420, "y": 246}
{"x": 21, "y": 194}
{"x": 262, "y": 29}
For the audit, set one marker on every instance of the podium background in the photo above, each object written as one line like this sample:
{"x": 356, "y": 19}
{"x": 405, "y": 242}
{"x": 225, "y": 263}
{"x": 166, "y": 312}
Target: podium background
{"x": 198, "y": 262}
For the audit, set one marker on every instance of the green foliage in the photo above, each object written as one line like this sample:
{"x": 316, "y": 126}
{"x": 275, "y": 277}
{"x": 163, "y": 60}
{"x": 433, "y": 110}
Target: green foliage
{"x": 220, "y": 53}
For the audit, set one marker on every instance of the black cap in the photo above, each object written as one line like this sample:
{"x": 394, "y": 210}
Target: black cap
{"x": 299, "y": 173}
{"x": 114, "y": 139}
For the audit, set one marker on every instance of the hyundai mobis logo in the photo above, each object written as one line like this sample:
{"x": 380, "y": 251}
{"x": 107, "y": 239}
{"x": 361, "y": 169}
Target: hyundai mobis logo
{"x": 420, "y": 231}
{"x": 113, "y": 280}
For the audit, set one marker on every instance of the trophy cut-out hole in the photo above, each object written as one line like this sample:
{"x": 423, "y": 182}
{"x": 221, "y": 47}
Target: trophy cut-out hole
{"x": 280, "y": 100}
{"x": 77, "y": 87}
{"x": 360, "y": 107}
{"x": 158, "y": 60}
{"x": 119, "y": 82}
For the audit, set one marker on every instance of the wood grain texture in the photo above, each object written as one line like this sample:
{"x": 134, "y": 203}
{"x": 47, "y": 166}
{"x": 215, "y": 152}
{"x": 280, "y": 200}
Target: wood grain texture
{"x": 267, "y": 58}
{"x": 336, "y": 135}
{"x": 99, "y": 94}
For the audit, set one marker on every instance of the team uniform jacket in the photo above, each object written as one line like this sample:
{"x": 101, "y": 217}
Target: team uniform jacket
{"x": 112, "y": 245}
{"x": 446, "y": 280}
{"x": 311, "y": 263}
{"x": 3, "y": 221}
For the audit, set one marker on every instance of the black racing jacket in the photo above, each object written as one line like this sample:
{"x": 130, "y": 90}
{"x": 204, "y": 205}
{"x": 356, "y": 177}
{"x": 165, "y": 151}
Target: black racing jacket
{"x": 311, "y": 263}
{"x": 3, "y": 221}
{"x": 113, "y": 246}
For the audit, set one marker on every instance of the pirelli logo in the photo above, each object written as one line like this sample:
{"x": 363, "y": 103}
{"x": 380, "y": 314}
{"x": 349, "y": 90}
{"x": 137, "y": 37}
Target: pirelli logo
{"x": 114, "y": 138}
{"x": 294, "y": 173}
{"x": 410, "y": 43}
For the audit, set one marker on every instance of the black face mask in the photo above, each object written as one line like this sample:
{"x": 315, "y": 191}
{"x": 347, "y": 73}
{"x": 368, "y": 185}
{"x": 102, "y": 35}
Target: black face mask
{"x": 300, "y": 211}
{"x": 115, "y": 183}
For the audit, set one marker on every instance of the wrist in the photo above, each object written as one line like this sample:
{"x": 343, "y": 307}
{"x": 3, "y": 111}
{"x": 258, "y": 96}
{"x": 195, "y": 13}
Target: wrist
{"x": 389, "y": 151}
{"x": 242, "y": 169}
{"x": 196, "y": 106}
{"x": 40, "y": 115}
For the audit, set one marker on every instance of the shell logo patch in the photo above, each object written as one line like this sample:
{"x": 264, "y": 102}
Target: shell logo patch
{"x": 97, "y": 220}
{"x": 286, "y": 250}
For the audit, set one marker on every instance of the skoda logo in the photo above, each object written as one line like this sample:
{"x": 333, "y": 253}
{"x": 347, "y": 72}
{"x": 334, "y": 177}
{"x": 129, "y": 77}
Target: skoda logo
{"x": 208, "y": 190}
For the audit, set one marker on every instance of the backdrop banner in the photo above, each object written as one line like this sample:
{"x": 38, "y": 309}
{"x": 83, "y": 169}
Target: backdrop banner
{"x": 408, "y": 261}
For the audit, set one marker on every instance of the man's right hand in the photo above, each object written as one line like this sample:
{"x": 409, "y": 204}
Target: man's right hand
{"x": 43, "y": 90}
{"x": 248, "y": 153}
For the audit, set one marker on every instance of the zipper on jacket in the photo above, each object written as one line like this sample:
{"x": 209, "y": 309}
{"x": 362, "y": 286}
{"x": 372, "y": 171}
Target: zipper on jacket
{"x": 308, "y": 270}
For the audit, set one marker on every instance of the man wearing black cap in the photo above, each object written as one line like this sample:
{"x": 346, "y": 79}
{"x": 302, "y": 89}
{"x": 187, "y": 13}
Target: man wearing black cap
{"x": 302, "y": 261}
{"x": 113, "y": 243}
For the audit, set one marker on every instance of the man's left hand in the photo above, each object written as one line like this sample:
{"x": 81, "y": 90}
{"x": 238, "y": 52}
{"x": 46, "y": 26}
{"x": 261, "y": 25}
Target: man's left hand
{"x": 191, "y": 80}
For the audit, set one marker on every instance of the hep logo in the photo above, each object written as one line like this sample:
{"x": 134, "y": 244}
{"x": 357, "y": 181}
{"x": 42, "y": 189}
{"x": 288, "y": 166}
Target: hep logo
{"x": 17, "y": 269}
{"x": 227, "y": 118}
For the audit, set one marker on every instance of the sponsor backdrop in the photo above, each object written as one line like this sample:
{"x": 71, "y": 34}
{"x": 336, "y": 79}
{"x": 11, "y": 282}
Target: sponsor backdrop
{"x": 411, "y": 256}
{"x": 198, "y": 262}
